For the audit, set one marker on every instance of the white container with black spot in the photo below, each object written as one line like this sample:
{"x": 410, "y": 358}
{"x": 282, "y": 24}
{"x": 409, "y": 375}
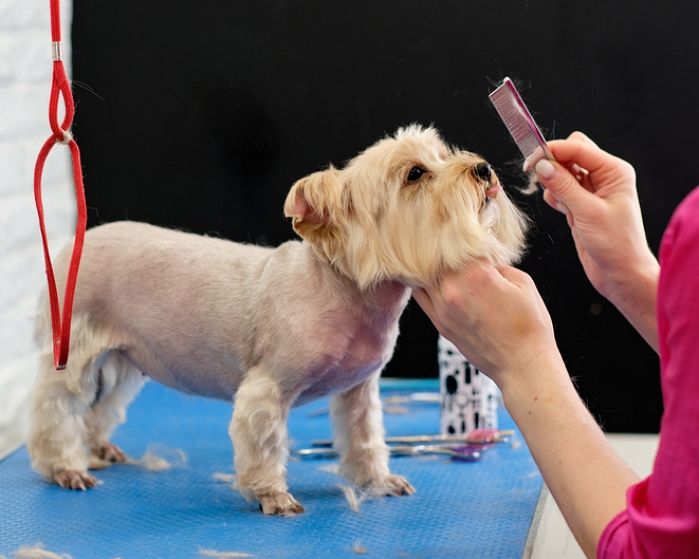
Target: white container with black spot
{"x": 469, "y": 398}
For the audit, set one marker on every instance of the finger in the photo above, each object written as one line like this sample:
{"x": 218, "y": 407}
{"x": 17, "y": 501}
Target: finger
{"x": 564, "y": 188}
{"x": 425, "y": 301}
{"x": 585, "y": 154}
{"x": 582, "y": 176}
{"x": 515, "y": 275}
{"x": 587, "y": 183}
{"x": 480, "y": 273}
{"x": 550, "y": 199}
{"x": 472, "y": 272}
{"x": 578, "y": 172}
{"x": 477, "y": 279}
{"x": 562, "y": 208}
{"x": 582, "y": 137}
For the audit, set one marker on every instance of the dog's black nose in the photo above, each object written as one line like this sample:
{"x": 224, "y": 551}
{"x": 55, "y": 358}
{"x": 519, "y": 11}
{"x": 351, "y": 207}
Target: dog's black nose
{"x": 483, "y": 171}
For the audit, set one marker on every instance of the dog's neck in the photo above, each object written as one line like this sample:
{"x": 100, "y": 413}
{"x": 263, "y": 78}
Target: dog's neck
{"x": 383, "y": 302}
{"x": 390, "y": 295}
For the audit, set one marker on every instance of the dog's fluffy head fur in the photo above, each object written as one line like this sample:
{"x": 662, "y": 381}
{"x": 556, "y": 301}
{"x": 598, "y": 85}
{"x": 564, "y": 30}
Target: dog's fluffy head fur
{"x": 408, "y": 208}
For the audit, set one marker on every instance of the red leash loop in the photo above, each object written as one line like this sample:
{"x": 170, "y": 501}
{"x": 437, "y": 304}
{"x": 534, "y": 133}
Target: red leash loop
{"x": 60, "y": 87}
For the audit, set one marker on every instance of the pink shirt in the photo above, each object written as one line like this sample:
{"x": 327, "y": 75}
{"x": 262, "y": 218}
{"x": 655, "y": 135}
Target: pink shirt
{"x": 662, "y": 515}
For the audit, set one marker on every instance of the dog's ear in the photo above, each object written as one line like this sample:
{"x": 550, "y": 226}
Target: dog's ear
{"x": 313, "y": 201}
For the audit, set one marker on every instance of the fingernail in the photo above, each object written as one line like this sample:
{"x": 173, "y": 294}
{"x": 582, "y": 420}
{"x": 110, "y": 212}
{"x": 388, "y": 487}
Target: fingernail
{"x": 544, "y": 169}
{"x": 528, "y": 163}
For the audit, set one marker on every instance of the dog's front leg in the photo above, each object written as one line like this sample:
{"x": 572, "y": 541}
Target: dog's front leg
{"x": 359, "y": 439}
{"x": 259, "y": 435}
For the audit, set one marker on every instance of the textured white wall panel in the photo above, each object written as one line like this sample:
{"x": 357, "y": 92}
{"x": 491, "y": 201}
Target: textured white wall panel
{"x": 25, "y": 82}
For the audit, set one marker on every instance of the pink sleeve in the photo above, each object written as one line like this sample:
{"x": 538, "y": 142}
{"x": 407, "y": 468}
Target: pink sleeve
{"x": 662, "y": 514}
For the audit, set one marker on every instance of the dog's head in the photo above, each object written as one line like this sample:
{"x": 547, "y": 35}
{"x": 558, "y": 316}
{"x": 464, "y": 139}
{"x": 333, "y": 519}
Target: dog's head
{"x": 408, "y": 208}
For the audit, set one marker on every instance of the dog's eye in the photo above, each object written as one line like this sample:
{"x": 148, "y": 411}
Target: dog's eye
{"x": 415, "y": 173}
{"x": 483, "y": 171}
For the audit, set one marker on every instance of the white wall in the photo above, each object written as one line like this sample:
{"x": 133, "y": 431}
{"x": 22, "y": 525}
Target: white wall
{"x": 25, "y": 81}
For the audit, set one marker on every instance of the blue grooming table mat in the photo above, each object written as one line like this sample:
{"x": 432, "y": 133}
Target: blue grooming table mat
{"x": 482, "y": 509}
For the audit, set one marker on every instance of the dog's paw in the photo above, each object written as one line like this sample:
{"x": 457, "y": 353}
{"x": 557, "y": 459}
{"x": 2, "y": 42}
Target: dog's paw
{"x": 280, "y": 504}
{"x": 391, "y": 484}
{"x": 109, "y": 452}
{"x": 105, "y": 455}
{"x": 73, "y": 479}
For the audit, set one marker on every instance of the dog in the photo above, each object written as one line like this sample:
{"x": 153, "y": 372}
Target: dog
{"x": 269, "y": 328}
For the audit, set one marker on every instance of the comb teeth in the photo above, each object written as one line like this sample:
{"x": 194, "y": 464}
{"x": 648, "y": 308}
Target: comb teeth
{"x": 518, "y": 119}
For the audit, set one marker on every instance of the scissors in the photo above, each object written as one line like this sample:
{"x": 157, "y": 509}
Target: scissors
{"x": 475, "y": 437}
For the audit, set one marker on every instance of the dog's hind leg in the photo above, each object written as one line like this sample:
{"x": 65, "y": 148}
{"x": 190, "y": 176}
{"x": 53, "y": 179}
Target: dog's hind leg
{"x": 359, "y": 440}
{"x": 118, "y": 383}
{"x": 58, "y": 435}
{"x": 259, "y": 435}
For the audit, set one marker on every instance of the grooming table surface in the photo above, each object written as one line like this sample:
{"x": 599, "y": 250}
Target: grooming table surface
{"x": 482, "y": 509}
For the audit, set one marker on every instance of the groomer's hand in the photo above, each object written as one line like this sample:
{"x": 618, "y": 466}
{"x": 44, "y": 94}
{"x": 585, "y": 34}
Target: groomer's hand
{"x": 597, "y": 193}
{"x": 495, "y": 316}
{"x": 497, "y": 319}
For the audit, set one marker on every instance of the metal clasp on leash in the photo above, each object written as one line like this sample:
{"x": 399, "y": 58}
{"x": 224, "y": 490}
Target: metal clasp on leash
{"x": 56, "y": 51}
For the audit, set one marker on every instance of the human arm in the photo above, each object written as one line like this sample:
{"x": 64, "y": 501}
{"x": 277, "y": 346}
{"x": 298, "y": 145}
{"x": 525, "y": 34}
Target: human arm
{"x": 597, "y": 193}
{"x": 518, "y": 351}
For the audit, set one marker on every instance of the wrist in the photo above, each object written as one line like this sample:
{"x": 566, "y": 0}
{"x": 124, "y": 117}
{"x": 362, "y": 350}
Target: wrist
{"x": 632, "y": 284}
{"x": 636, "y": 296}
{"x": 540, "y": 379}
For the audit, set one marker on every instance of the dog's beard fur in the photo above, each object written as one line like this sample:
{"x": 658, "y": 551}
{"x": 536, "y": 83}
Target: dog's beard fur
{"x": 374, "y": 225}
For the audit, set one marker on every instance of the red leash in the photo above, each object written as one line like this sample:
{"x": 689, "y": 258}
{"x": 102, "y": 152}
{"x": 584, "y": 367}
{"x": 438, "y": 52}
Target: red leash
{"x": 60, "y": 87}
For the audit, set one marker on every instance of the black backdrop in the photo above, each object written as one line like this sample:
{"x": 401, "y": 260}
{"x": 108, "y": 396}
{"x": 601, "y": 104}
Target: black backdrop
{"x": 200, "y": 115}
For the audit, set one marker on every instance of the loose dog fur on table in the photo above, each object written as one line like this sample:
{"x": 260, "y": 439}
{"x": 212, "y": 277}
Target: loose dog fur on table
{"x": 269, "y": 328}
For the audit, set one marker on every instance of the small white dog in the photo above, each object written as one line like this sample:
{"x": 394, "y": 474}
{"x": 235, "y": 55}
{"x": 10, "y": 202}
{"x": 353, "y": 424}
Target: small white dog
{"x": 269, "y": 327}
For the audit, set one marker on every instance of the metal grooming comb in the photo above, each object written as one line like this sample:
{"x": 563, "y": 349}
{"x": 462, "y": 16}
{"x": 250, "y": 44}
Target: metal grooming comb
{"x": 519, "y": 123}
{"x": 468, "y": 453}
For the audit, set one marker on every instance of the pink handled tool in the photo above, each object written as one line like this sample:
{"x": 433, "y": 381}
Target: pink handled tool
{"x": 520, "y": 123}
